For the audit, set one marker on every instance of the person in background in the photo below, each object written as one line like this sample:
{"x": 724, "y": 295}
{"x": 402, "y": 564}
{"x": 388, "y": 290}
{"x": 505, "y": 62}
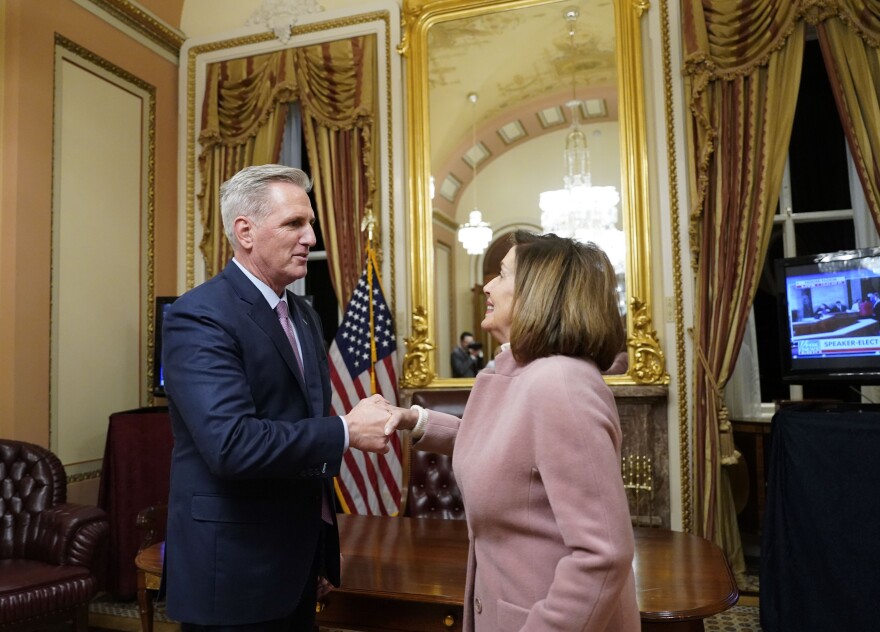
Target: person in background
{"x": 466, "y": 358}
{"x": 537, "y": 452}
{"x": 251, "y": 531}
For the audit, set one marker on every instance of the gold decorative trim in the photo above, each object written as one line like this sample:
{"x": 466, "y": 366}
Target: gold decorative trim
{"x": 150, "y": 89}
{"x": 416, "y": 368}
{"x": 192, "y": 59}
{"x": 83, "y": 476}
{"x": 648, "y": 367}
{"x": 133, "y": 16}
{"x": 641, "y": 7}
{"x": 389, "y": 139}
{"x": 418, "y": 17}
{"x": 680, "y": 355}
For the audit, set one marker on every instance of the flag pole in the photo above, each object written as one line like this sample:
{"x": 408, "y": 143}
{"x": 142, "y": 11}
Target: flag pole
{"x": 367, "y": 225}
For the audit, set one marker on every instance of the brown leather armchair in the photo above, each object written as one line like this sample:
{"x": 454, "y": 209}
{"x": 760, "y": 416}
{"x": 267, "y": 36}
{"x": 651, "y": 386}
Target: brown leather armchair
{"x": 433, "y": 492}
{"x": 48, "y": 547}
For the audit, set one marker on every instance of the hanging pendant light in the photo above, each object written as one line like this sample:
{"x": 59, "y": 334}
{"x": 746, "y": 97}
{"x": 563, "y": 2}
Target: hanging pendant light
{"x": 580, "y": 210}
{"x": 475, "y": 234}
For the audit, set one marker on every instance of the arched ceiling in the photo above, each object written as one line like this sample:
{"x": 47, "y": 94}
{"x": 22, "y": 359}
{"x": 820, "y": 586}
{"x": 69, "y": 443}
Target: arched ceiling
{"x": 522, "y": 65}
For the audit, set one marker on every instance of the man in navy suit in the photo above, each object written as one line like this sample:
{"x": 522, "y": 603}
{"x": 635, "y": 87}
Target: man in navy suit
{"x": 252, "y": 535}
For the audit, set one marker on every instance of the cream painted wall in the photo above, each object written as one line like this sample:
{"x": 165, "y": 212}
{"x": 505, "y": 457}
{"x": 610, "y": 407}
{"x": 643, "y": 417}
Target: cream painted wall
{"x": 96, "y": 260}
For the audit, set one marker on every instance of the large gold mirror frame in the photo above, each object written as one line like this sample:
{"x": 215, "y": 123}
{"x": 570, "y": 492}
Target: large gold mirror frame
{"x": 646, "y": 359}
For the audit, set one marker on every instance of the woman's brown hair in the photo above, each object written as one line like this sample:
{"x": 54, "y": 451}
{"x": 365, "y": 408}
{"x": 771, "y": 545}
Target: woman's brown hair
{"x": 565, "y": 300}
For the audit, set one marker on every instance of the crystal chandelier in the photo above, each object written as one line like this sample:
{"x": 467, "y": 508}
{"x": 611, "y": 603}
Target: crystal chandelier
{"x": 475, "y": 234}
{"x": 580, "y": 210}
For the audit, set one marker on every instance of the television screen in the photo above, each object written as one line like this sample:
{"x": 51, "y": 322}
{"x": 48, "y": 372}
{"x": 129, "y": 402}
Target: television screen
{"x": 830, "y": 316}
{"x": 162, "y": 305}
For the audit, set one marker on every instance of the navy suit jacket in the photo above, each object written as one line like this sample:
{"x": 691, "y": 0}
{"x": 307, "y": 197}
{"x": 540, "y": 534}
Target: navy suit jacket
{"x": 254, "y": 451}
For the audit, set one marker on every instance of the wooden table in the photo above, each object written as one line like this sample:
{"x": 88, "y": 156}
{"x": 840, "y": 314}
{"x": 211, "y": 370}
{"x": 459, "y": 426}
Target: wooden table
{"x": 148, "y": 563}
{"x": 408, "y": 574}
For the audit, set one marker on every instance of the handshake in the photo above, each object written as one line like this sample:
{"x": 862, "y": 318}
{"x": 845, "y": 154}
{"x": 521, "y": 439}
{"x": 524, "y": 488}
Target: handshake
{"x": 372, "y": 422}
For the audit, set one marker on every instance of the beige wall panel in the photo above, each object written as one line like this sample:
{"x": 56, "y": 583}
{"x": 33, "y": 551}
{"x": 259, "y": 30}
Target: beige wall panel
{"x": 96, "y": 260}
{"x": 26, "y": 189}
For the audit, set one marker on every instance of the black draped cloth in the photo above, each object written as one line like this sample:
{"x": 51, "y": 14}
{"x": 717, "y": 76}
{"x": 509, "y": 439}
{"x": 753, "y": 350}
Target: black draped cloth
{"x": 820, "y": 550}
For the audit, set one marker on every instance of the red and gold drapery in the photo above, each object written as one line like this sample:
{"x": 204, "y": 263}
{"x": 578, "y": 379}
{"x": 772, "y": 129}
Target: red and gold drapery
{"x": 243, "y": 119}
{"x": 742, "y": 69}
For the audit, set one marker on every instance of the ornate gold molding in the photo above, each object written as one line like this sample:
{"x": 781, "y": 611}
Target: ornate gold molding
{"x": 416, "y": 371}
{"x": 83, "y": 476}
{"x": 680, "y": 355}
{"x": 133, "y": 16}
{"x": 648, "y": 367}
{"x": 418, "y": 18}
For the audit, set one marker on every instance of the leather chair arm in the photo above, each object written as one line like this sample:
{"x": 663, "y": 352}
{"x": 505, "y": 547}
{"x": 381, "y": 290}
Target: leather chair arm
{"x": 70, "y": 534}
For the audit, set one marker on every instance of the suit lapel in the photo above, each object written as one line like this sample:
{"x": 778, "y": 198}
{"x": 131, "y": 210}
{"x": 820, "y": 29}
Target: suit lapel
{"x": 308, "y": 339}
{"x": 267, "y": 320}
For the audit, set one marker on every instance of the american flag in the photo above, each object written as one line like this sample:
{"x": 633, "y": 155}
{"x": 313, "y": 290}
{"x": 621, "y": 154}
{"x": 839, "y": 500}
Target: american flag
{"x": 363, "y": 361}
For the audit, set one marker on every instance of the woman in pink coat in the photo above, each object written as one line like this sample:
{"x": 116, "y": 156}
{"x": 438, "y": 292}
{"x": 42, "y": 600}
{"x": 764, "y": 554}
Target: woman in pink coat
{"x": 537, "y": 453}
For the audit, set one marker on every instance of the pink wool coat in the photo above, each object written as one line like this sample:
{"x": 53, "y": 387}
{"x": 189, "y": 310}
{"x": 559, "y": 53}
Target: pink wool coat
{"x": 537, "y": 458}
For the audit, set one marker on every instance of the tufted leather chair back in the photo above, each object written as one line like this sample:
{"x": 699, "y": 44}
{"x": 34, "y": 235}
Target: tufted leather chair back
{"x": 32, "y": 480}
{"x": 48, "y": 547}
{"x": 433, "y": 492}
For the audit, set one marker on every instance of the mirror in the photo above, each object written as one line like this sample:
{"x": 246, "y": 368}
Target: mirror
{"x": 488, "y": 88}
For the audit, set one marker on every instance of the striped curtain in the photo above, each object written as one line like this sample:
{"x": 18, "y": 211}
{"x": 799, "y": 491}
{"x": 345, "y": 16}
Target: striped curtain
{"x": 742, "y": 70}
{"x": 245, "y": 109}
{"x": 850, "y": 42}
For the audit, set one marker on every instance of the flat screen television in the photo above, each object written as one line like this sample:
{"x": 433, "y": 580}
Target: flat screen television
{"x": 829, "y": 316}
{"x": 162, "y": 305}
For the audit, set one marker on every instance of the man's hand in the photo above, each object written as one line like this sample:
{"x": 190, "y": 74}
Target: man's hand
{"x": 366, "y": 424}
{"x": 401, "y": 419}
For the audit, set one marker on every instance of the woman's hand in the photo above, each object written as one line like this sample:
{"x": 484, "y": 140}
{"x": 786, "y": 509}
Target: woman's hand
{"x": 401, "y": 419}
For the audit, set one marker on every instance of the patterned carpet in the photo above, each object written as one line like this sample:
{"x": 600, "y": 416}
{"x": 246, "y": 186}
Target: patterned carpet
{"x": 111, "y": 615}
{"x": 736, "y": 619}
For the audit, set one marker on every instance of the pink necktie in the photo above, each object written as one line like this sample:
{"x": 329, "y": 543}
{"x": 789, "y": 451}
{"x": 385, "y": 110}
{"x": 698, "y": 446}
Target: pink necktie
{"x": 284, "y": 317}
{"x": 281, "y": 310}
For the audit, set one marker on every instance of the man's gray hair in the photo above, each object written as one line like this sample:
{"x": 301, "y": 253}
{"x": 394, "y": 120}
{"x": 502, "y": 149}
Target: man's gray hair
{"x": 247, "y": 193}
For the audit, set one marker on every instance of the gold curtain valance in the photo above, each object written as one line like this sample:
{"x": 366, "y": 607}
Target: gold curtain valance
{"x": 724, "y": 39}
{"x": 327, "y": 79}
{"x": 335, "y": 89}
{"x": 243, "y": 121}
{"x": 727, "y": 38}
{"x": 861, "y": 16}
{"x": 242, "y": 94}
